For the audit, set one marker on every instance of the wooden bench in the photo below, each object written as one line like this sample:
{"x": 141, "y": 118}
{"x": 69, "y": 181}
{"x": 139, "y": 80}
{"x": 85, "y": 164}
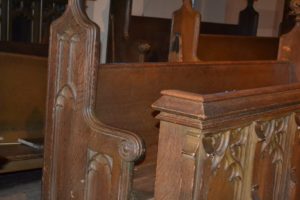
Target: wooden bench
{"x": 187, "y": 45}
{"x": 90, "y": 159}
{"x": 146, "y": 39}
{"x": 22, "y": 94}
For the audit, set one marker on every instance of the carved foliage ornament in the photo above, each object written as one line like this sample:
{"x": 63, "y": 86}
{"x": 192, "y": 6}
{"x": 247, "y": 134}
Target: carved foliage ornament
{"x": 226, "y": 148}
{"x": 295, "y": 7}
{"x": 272, "y": 133}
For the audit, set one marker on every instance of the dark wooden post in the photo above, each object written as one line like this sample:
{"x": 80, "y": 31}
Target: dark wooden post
{"x": 4, "y": 22}
{"x": 120, "y": 14}
{"x": 248, "y": 20}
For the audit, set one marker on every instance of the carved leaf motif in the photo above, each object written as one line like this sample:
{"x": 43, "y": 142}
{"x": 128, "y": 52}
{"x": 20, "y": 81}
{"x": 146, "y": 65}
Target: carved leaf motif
{"x": 225, "y": 148}
{"x": 271, "y": 133}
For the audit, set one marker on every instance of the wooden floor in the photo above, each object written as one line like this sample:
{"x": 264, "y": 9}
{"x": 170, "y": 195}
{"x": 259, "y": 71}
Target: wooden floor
{"x": 21, "y": 185}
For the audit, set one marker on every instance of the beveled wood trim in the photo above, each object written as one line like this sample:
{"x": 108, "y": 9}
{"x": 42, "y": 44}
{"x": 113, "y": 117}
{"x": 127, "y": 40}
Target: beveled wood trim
{"x": 216, "y": 110}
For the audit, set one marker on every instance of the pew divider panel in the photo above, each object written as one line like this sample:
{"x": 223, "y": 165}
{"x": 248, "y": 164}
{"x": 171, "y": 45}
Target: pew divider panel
{"x": 213, "y": 146}
{"x": 235, "y": 145}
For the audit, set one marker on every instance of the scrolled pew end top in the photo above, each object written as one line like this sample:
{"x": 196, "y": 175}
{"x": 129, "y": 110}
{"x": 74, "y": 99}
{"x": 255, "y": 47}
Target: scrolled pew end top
{"x": 132, "y": 149}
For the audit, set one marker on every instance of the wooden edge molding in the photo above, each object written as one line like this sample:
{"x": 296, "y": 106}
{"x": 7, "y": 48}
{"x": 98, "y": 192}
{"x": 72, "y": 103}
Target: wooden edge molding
{"x": 225, "y": 108}
{"x": 181, "y": 103}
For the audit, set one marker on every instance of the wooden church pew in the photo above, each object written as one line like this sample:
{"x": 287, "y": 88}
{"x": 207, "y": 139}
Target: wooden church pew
{"x": 22, "y": 105}
{"x": 187, "y": 45}
{"x": 131, "y": 34}
{"x": 240, "y": 144}
{"x": 89, "y": 159}
{"x": 125, "y": 93}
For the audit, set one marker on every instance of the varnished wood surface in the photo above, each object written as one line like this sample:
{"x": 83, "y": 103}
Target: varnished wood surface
{"x": 198, "y": 153}
{"x": 128, "y": 106}
{"x": 102, "y": 162}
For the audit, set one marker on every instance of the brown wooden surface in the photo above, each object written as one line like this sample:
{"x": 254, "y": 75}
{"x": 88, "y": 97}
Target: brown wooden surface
{"x": 85, "y": 159}
{"x": 23, "y": 96}
{"x": 23, "y": 92}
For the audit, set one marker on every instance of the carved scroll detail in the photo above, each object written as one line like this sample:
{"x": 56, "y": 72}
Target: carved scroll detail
{"x": 129, "y": 150}
{"x": 271, "y": 133}
{"x": 225, "y": 148}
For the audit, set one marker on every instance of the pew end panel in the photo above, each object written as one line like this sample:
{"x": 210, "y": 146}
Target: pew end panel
{"x": 235, "y": 145}
{"x": 80, "y": 152}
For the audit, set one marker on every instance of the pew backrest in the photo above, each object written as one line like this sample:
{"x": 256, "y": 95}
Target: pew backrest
{"x": 22, "y": 94}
